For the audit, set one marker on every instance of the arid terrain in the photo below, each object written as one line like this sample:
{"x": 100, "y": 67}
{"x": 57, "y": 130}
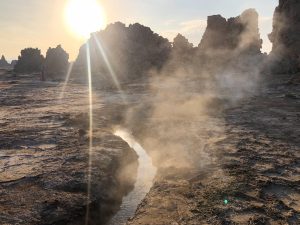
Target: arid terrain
{"x": 44, "y": 155}
{"x": 246, "y": 170}
{"x": 150, "y": 113}
{"x": 253, "y": 174}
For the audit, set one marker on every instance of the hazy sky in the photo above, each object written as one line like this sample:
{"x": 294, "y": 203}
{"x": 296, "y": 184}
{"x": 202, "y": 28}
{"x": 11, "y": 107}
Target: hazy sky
{"x": 40, "y": 23}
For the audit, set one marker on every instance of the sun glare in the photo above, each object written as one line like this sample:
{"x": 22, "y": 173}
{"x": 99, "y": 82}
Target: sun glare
{"x": 84, "y": 17}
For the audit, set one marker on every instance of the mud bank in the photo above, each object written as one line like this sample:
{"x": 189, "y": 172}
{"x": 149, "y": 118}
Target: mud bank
{"x": 44, "y": 156}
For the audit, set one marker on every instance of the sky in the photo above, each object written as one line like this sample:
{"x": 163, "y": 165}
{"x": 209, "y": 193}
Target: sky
{"x": 41, "y": 23}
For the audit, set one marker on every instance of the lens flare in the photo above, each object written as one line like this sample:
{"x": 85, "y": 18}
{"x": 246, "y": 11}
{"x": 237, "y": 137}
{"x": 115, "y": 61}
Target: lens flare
{"x": 84, "y": 17}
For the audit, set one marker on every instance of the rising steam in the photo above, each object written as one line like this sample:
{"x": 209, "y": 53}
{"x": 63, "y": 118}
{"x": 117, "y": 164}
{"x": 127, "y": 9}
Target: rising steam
{"x": 183, "y": 117}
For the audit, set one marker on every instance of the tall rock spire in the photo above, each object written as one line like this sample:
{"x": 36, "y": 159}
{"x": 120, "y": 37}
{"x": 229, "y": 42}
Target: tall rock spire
{"x": 285, "y": 37}
{"x": 3, "y": 62}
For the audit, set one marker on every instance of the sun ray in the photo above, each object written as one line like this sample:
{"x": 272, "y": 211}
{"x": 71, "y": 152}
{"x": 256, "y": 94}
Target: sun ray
{"x": 90, "y": 153}
{"x": 109, "y": 67}
{"x": 66, "y": 80}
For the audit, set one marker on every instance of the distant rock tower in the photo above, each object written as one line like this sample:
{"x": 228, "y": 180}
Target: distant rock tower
{"x": 235, "y": 34}
{"x": 285, "y": 37}
{"x": 3, "y": 62}
{"x": 232, "y": 44}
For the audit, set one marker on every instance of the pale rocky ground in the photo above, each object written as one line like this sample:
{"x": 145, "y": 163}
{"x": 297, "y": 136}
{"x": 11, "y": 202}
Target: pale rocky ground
{"x": 247, "y": 154}
{"x": 255, "y": 165}
{"x": 44, "y": 155}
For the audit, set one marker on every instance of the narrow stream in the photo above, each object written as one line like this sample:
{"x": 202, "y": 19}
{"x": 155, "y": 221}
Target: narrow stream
{"x": 144, "y": 181}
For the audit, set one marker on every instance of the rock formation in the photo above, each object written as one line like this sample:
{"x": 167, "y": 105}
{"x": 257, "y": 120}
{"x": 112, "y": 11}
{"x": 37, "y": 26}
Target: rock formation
{"x": 13, "y": 63}
{"x": 3, "y": 62}
{"x": 235, "y": 34}
{"x": 127, "y": 53}
{"x": 285, "y": 54}
{"x": 181, "y": 44}
{"x": 29, "y": 61}
{"x": 182, "y": 50}
{"x": 56, "y": 62}
{"x": 231, "y": 43}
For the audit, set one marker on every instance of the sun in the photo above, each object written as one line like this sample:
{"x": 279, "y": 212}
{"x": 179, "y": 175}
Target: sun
{"x": 84, "y": 17}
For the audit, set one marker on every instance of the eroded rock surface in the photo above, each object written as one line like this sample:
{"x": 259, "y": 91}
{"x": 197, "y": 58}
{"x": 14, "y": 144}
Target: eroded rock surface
{"x": 44, "y": 156}
{"x": 230, "y": 46}
{"x": 250, "y": 174}
{"x": 239, "y": 33}
{"x": 285, "y": 55}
